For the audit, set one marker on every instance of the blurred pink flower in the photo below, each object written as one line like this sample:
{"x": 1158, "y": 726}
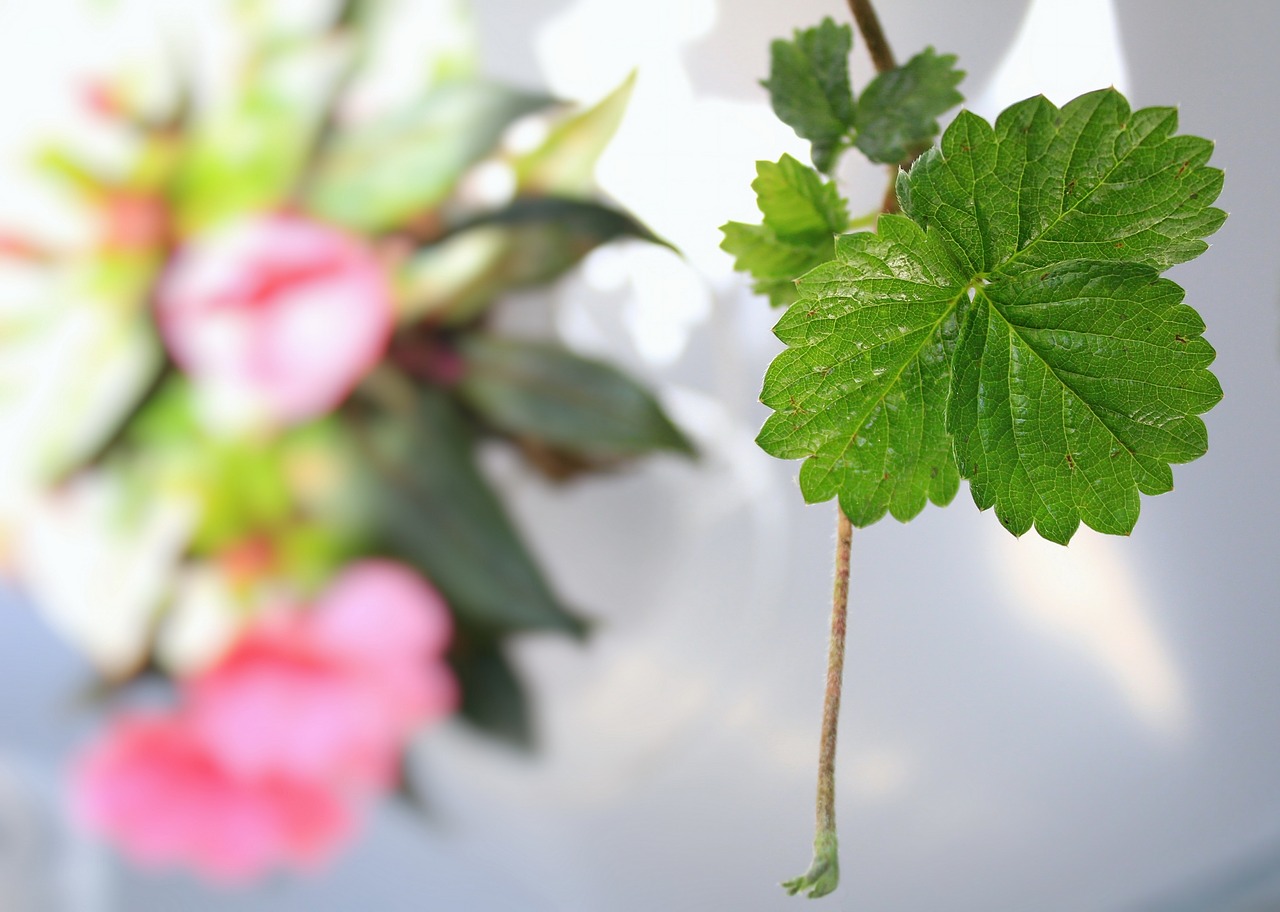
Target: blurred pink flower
{"x": 276, "y": 744}
{"x": 153, "y": 787}
{"x": 279, "y": 313}
{"x": 332, "y": 694}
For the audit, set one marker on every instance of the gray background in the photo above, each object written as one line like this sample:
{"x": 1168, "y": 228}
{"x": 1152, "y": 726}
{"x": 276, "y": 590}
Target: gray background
{"x": 1024, "y": 727}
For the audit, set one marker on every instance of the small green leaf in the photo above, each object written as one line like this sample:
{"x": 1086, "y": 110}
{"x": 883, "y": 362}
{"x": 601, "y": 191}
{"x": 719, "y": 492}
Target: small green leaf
{"x": 809, "y": 88}
{"x": 438, "y": 511}
{"x": 802, "y": 214}
{"x": 564, "y": 164}
{"x": 377, "y": 176}
{"x": 545, "y": 393}
{"x": 1022, "y": 306}
{"x": 823, "y": 875}
{"x": 898, "y": 110}
{"x": 493, "y": 698}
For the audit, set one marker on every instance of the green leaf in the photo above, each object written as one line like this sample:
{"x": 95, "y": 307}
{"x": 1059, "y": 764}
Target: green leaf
{"x": 898, "y": 110}
{"x": 400, "y": 166}
{"x": 530, "y": 242}
{"x": 802, "y": 214}
{"x": 809, "y": 88}
{"x": 438, "y": 511}
{"x": 543, "y": 392}
{"x": 564, "y": 164}
{"x": 861, "y": 387}
{"x": 493, "y": 698}
{"x": 1020, "y": 311}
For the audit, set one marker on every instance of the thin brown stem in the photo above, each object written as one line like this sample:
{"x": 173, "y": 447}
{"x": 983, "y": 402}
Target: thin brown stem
{"x": 823, "y": 875}
{"x": 864, "y": 14}
{"x": 826, "y": 816}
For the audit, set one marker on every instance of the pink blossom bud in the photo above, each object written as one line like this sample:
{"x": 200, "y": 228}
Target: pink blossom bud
{"x": 279, "y": 314}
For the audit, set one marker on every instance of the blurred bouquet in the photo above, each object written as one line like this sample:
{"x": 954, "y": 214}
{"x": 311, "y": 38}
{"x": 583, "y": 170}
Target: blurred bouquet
{"x": 241, "y": 421}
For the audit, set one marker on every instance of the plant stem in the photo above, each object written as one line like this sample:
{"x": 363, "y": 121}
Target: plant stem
{"x": 826, "y": 816}
{"x": 864, "y": 14}
{"x": 823, "y": 875}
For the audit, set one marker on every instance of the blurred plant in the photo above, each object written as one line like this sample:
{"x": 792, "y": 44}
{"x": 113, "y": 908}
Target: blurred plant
{"x": 1005, "y": 322}
{"x": 270, "y": 363}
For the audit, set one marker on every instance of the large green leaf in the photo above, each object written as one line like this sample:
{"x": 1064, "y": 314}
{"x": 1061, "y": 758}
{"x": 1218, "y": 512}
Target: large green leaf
{"x": 1022, "y": 305}
{"x": 543, "y": 392}
{"x": 438, "y": 511}
{"x": 802, "y": 215}
{"x": 898, "y": 110}
{"x": 809, "y": 88}
{"x": 377, "y": 176}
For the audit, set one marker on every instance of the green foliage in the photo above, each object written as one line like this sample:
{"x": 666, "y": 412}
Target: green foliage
{"x": 542, "y": 392}
{"x": 898, "y": 110}
{"x": 493, "y": 697}
{"x": 1012, "y": 322}
{"x": 439, "y": 512}
{"x": 531, "y": 241}
{"x": 809, "y": 87}
{"x": 245, "y": 154}
{"x": 823, "y": 875}
{"x": 895, "y": 116}
{"x": 802, "y": 215}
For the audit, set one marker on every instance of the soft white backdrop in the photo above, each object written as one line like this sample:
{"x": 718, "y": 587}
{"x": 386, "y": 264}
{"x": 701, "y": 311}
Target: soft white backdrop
{"x": 1025, "y": 727}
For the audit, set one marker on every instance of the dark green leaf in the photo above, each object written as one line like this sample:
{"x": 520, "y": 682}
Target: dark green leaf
{"x": 493, "y": 699}
{"x": 545, "y": 393}
{"x": 530, "y": 242}
{"x": 898, "y": 110}
{"x": 374, "y": 178}
{"x": 1025, "y": 305}
{"x": 439, "y": 512}
{"x": 809, "y": 88}
{"x": 802, "y": 214}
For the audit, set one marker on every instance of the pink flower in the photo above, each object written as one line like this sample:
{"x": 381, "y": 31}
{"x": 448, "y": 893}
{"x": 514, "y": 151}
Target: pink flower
{"x": 333, "y": 693}
{"x": 153, "y": 787}
{"x": 275, "y": 746}
{"x": 279, "y": 313}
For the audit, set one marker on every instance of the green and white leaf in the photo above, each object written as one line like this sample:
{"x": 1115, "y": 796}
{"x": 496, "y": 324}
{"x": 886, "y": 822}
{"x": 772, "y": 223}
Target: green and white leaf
{"x": 564, "y": 163}
{"x": 407, "y": 163}
{"x": 809, "y": 88}
{"x": 898, "y": 111}
{"x": 802, "y": 215}
{"x": 1024, "y": 308}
